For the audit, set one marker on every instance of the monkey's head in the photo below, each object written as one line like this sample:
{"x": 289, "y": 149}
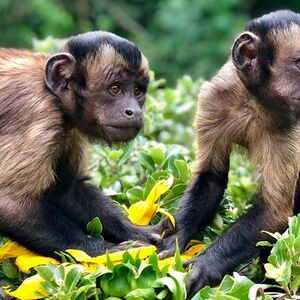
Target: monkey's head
{"x": 267, "y": 57}
{"x": 100, "y": 81}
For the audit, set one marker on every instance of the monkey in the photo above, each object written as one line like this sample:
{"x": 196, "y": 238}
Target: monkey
{"x": 252, "y": 104}
{"x": 52, "y": 107}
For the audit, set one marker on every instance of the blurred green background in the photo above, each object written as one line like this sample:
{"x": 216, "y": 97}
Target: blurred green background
{"x": 179, "y": 36}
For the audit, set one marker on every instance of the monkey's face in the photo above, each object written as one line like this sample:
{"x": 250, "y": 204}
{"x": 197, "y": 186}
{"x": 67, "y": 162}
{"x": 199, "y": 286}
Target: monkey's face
{"x": 104, "y": 93}
{"x": 285, "y": 70}
{"x": 112, "y": 106}
{"x": 271, "y": 66}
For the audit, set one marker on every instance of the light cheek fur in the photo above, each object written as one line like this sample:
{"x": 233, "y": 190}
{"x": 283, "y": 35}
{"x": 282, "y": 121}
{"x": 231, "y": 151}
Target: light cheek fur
{"x": 287, "y": 53}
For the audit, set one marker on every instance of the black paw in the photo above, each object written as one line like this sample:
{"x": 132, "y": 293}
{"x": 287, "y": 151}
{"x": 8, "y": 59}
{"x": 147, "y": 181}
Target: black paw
{"x": 168, "y": 246}
{"x": 164, "y": 228}
{"x": 202, "y": 274}
{"x": 147, "y": 234}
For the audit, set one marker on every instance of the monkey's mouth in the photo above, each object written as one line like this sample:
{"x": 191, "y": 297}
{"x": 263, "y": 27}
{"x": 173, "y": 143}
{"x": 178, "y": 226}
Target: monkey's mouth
{"x": 295, "y": 104}
{"x": 121, "y": 133}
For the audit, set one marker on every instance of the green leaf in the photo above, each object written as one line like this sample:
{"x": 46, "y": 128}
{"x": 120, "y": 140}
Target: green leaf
{"x": 149, "y": 185}
{"x": 158, "y": 153}
{"x": 94, "y": 228}
{"x": 134, "y": 195}
{"x": 183, "y": 169}
{"x": 205, "y": 293}
{"x": 119, "y": 284}
{"x": 45, "y": 273}
{"x": 115, "y": 155}
{"x": 146, "y": 293}
{"x": 240, "y": 287}
{"x": 127, "y": 150}
{"x": 217, "y": 222}
{"x": 294, "y": 225}
{"x": 146, "y": 161}
{"x": 10, "y": 270}
{"x": 178, "y": 263}
{"x": 109, "y": 263}
{"x": 73, "y": 278}
{"x": 145, "y": 276}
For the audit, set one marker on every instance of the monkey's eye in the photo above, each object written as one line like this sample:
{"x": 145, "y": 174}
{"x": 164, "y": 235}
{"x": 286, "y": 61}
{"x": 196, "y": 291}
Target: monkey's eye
{"x": 138, "y": 92}
{"x": 115, "y": 90}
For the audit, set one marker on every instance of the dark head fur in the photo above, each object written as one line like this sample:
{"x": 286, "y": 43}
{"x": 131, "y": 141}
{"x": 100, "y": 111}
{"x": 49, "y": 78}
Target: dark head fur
{"x": 86, "y": 43}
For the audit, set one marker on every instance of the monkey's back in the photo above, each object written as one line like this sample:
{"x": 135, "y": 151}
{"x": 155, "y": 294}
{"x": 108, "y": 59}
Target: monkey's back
{"x": 30, "y": 123}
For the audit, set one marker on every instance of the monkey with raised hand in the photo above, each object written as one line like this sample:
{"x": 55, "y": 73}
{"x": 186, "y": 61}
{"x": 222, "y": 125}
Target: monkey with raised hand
{"x": 252, "y": 102}
{"x": 51, "y": 107}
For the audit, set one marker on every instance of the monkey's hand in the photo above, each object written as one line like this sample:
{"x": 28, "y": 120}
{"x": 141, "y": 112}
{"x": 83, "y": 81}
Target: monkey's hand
{"x": 202, "y": 273}
{"x": 168, "y": 247}
{"x": 147, "y": 234}
{"x": 170, "y": 235}
{"x": 127, "y": 245}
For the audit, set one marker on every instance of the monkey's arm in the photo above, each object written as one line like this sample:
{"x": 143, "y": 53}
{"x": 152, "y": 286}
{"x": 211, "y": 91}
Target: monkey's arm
{"x": 82, "y": 202}
{"x": 238, "y": 243}
{"x": 42, "y": 227}
{"x": 203, "y": 196}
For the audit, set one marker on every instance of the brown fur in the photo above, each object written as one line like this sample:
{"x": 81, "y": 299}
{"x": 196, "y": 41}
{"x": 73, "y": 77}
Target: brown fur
{"x": 32, "y": 135}
{"x": 228, "y": 114}
{"x": 31, "y": 122}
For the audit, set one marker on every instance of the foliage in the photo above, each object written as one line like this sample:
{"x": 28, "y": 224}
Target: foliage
{"x": 194, "y": 36}
{"x": 131, "y": 278}
{"x": 283, "y": 266}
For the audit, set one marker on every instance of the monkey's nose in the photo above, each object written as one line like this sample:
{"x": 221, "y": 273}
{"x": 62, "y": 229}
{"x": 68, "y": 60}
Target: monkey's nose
{"x": 133, "y": 113}
{"x": 129, "y": 112}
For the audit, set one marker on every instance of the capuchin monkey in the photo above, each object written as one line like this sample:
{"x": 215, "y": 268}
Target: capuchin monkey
{"x": 252, "y": 102}
{"x": 51, "y": 108}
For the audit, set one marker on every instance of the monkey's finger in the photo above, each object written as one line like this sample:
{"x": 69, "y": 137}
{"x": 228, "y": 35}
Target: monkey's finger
{"x": 165, "y": 227}
{"x": 156, "y": 239}
{"x": 192, "y": 284}
{"x": 166, "y": 253}
{"x": 193, "y": 289}
{"x": 128, "y": 244}
{"x": 186, "y": 263}
{"x": 2, "y": 295}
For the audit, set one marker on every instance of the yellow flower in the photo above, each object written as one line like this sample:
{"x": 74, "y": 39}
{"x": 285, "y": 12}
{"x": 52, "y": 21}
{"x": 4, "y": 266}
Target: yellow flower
{"x": 13, "y": 249}
{"x": 27, "y": 290}
{"x": 32, "y": 285}
{"x": 26, "y": 262}
{"x": 25, "y": 258}
{"x": 188, "y": 254}
{"x": 142, "y": 212}
{"x": 81, "y": 256}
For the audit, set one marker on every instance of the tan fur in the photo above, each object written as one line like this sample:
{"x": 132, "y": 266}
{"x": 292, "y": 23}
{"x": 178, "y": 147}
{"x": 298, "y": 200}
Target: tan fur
{"x": 287, "y": 44}
{"x": 107, "y": 58}
{"x": 228, "y": 115}
{"x": 31, "y": 131}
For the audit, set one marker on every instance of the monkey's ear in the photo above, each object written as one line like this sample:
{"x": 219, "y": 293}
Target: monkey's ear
{"x": 244, "y": 50}
{"x": 59, "y": 69}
